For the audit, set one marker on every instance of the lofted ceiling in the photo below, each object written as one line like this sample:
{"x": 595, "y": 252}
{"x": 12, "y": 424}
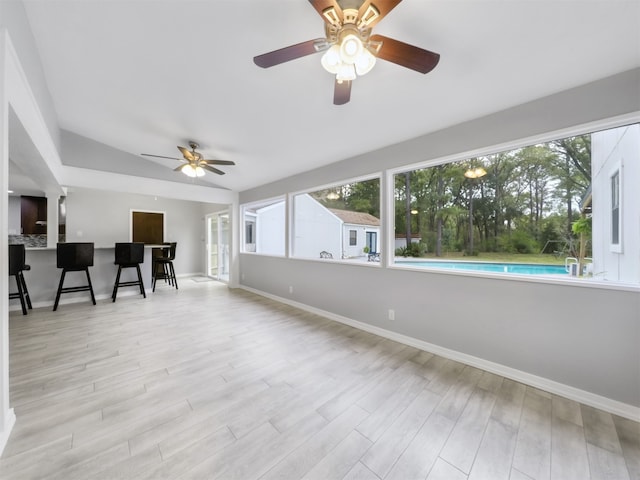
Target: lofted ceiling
{"x": 145, "y": 76}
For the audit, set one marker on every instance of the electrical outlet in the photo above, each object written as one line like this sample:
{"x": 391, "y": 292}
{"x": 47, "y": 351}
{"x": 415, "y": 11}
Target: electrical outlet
{"x": 392, "y": 314}
{"x": 290, "y": 288}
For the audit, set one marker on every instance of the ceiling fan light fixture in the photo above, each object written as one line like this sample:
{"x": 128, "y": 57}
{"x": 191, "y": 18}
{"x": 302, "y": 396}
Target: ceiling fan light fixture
{"x": 189, "y": 171}
{"x": 331, "y": 59}
{"x": 199, "y": 171}
{"x": 350, "y": 48}
{"x": 365, "y": 62}
{"x": 346, "y": 72}
{"x": 348, "y": 59}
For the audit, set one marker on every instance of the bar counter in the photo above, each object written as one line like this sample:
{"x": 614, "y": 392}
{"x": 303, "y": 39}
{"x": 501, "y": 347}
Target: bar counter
{"x": 43, "y": 278}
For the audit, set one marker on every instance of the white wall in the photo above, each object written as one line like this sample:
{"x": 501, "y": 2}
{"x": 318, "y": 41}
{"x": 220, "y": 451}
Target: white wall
{"x": 582, "y": 341}
{"x": 315, "y": 229}
{"x": 15, "y": 219}
{"x": 361, "y": 239}
{"x": 14, "y": 18}
{"x": 616, "y": 149}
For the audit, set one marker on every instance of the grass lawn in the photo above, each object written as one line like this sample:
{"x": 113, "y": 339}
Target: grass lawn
{"x": 545, "y": 258}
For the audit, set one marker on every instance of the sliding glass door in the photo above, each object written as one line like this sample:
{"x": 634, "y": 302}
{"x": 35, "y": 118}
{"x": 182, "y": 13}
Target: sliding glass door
{"x": 218, "y": 246}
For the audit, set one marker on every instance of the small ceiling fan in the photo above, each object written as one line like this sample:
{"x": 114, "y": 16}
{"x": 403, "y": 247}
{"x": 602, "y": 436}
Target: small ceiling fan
{"x": 196, "y": 163}
{"x": 350, "y": 49}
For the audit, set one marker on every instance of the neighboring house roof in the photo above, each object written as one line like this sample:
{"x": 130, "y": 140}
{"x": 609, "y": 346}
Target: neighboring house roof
{"x": 586, "y": 201}
{"x": 356, "y": 218}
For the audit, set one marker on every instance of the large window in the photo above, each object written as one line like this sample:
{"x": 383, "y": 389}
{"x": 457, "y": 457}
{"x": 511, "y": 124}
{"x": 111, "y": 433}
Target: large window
{"x": 545, "y": 209}
{"x": 264, "y": 227}
{"x": 554, "y": 210}
{"x": 335, "y": 222}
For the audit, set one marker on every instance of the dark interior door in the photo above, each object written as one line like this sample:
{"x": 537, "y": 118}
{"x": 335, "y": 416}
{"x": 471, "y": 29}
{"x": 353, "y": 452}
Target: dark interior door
{"x": 148, "y": 227}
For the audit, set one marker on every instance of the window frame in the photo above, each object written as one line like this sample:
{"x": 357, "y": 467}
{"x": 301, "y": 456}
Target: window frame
{"x": 386, "y": 240}
{"x": 336, "y": 258}
{"x": 256, "y": 204}
{"x": 551, "y": 135}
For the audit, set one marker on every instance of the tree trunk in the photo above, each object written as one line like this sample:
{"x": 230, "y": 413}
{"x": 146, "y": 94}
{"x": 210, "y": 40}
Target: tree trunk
{"x": 407, "y": 192}
{"x": 440, "y": 193}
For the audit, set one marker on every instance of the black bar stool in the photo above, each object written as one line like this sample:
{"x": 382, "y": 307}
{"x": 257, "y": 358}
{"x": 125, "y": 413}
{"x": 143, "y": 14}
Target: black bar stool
{"x": 74, "y": 257}
{"x": 163, "y": 267}
{"x": 129, "y": 255}
{"x": 16, "y": 266}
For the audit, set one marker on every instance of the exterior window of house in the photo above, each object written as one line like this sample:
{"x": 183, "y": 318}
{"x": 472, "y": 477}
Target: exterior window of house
{"x": 615, "y": 208}
{"x": 264, "y": 227}
{"x": 550, "y": 210}
{"x": 331, "y": 223}
{"x": 250, "y": 227}
{"x": 353, "y": 237}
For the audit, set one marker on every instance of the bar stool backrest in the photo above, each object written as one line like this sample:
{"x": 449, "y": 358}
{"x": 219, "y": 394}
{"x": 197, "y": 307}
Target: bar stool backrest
{"x": 72, "y": 256}
{"x": 129, "y": 253}
{"x": 172, "y": 250}
{"x": 16, "y": 259}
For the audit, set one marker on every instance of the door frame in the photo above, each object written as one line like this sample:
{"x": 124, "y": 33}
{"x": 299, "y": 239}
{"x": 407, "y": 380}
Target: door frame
{"x": 143, "y": 210}
{"x": 211, "y": 217}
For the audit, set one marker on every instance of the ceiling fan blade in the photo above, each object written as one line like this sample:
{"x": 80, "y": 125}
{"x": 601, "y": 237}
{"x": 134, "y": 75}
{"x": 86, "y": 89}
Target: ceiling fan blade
{"x": 187, "y": 154}
{"x": 218, "y": 162}
{"x": 160, "y": 156}
{"x": 383, "y": 7}
{"x": 342, "y": 92}
{"x": 291, "y": 52}
{"x": 212, "y": 169}
{"x": 177, "y": 169}
{"x": 322, "y": 5}
{"x": 406, "y": 55}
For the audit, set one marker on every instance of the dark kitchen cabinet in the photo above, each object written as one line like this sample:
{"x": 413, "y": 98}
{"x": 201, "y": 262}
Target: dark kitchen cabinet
{"x": 33, "y": 215}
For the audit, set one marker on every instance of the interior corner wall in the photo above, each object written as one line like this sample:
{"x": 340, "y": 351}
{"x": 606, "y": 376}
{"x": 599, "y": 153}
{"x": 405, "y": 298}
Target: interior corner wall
{"x": 583, "y": 338}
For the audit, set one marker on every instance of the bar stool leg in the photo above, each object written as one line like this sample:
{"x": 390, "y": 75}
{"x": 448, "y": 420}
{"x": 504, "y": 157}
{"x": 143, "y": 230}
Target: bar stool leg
{"x": 21, "y": 294}
{"x": 173, "y": 275}
{"x": 26, "y": 291}
{"x": 55, "y": 305}
{"x": 93, "y": 298}
{"x": 154, "y": 268}
{"x": 115, "y": 286}
{"x": 144, "y": 294}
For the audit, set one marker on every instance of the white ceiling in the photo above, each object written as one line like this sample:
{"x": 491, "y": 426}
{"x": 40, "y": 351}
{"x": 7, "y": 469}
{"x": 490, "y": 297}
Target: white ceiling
{"x": 145, "y": 76}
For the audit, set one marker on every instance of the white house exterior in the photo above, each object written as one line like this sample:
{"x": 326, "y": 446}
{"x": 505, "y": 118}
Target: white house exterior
{"x": 615, "y": 167}
{"x": 315, "y": 229}
{"x": 269, "y": 229}
{"x": 401, "y": 239}
{"x": 359, "y": 230}
{"x": 341, "y": 233}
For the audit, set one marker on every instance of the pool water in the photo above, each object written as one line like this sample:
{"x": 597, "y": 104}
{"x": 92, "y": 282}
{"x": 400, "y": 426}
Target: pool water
{"x": 519, "y": 268}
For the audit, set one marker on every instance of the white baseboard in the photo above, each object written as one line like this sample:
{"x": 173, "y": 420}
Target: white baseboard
{"x": 10, "y": 420}
{"x": 582, "y": 396}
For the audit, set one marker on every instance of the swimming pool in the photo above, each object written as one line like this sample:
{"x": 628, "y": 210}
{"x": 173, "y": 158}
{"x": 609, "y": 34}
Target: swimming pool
{"x": 519, "y": 268}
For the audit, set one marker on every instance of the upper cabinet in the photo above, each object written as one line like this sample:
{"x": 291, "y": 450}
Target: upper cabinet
{"x": 33, "y": 215}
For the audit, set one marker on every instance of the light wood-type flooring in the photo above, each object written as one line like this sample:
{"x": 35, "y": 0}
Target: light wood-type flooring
{"x": 206, "y": 382}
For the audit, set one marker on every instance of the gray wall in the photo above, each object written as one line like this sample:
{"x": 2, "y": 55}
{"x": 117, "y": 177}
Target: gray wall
{"x": 103, "y": 217}
{"x": 583, "y": 337}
